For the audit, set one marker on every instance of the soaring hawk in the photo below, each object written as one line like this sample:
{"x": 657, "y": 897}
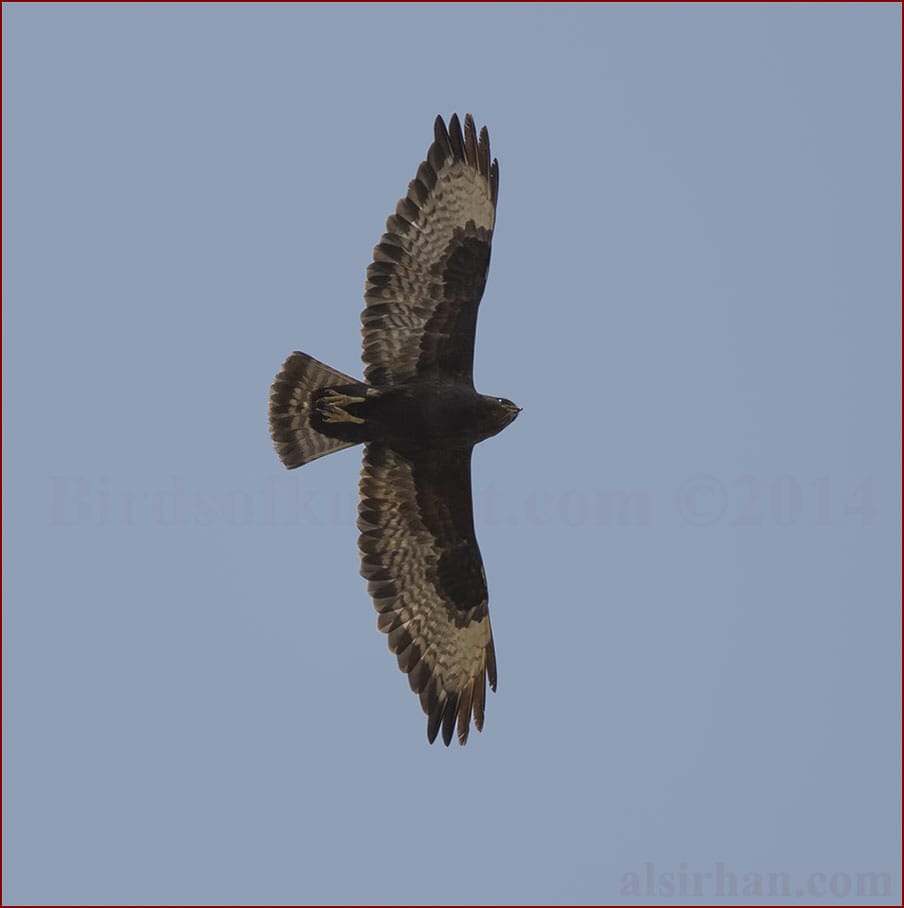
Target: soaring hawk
{"x": 419, "y": 417}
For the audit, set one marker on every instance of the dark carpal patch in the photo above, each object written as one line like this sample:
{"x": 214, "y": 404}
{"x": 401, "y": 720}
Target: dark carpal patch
{"x": 447, "y": 344}
{"x": 460, "y": 576}
{"x": 467, "y": 261}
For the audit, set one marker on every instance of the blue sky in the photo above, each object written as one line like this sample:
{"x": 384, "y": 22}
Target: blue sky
{"x": 691, "y": 533}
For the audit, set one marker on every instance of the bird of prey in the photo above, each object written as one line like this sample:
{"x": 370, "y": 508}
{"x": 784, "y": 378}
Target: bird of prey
{"x": 419, "y": 416}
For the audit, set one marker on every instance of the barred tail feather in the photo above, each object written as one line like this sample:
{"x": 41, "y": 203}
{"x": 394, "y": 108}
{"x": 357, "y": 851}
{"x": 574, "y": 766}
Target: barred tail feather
{"x": 296, "y": 440}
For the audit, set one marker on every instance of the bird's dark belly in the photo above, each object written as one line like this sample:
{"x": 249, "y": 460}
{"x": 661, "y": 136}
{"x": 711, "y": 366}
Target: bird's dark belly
{"x": 431, "y": 415}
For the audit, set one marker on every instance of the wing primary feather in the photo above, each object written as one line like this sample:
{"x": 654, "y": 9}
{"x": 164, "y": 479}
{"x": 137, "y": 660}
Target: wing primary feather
{"x": 480, "y": 697}
{"x": 419, "y": 676}
{"x": 450, "y": 714}
{"x": 483, "y": 149}
{"x": 471, "y": 143}
{"x": 440, "y": 133}
{"x": 455, "y": 137}
{"x": 441, "y": 150}
{"x": 491, "y": 664}
{"x": 434, "y": 720}
{"x": 428, "y": 696}
{"x": 464, "y": 711}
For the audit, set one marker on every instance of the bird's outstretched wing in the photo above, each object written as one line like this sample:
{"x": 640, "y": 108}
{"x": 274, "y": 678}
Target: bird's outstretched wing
{"x": 424, "y": 571}
{"x": 431, "y": 265}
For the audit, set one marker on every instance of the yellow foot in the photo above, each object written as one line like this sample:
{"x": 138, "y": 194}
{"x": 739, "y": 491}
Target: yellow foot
{"x": 332, "y": 407}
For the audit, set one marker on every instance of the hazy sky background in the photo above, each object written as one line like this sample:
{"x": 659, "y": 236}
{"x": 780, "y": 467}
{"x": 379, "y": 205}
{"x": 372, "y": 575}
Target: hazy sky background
{"x": 691, "y": 533}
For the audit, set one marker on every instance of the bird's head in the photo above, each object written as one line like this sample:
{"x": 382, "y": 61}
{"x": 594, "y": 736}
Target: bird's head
{"x": 510, "y": 409}
{"x": 500, "y": 411}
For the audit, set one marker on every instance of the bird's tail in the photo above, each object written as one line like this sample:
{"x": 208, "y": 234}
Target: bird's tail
{"x": 293, "y": 398}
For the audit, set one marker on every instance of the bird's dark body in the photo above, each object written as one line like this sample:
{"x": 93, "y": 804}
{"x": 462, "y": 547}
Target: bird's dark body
{"x": 417, "y": 417}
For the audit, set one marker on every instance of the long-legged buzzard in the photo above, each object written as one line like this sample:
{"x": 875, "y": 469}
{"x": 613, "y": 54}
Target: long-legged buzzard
{"x": 419, "y": 416}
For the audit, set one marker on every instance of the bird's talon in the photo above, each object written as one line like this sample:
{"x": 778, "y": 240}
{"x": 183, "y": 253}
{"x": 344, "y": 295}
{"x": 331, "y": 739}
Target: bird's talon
{"x": 337, "y": 414}
{"x": 332, "y": 406}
